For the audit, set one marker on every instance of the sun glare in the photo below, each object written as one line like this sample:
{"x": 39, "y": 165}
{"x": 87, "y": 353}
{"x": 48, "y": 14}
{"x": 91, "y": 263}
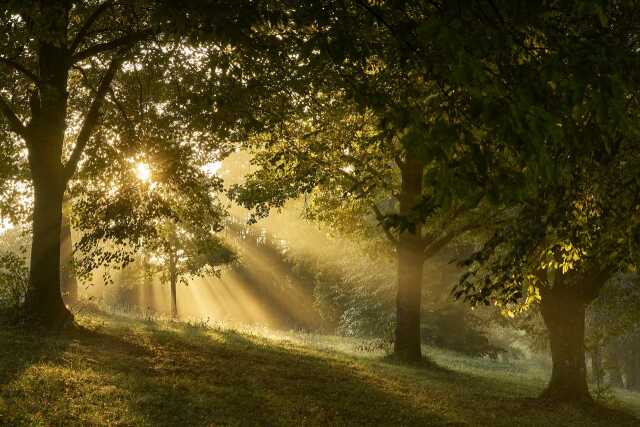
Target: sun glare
{"x": 143, "y": 172}
{"x": 212, "y": 168}
{"x": 5, "y": 225}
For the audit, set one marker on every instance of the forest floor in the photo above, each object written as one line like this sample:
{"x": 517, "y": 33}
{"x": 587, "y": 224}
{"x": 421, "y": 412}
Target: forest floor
{"x": 118, "y": 371}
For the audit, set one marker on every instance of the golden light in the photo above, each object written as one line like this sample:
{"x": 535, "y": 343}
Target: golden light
{"x": 143, "y": 172}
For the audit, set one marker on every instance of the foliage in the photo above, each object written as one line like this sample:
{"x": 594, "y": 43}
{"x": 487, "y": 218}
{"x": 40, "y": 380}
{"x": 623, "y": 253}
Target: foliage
{"x": 14, "y": 281}
{"x": 609, "y": 317}
{"x": 14, "y": 271}
{"x": 455, "y": 328}
{"x": 89, "y": 86}
{"x": 181, "y": 252}
{"x": 613, "y": 332}
{"x": 175, "y": 208}
{"x": 355, "y": 296}
{"x": 545, "y": 138}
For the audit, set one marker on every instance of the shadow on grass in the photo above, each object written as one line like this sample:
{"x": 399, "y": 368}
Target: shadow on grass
{"x": 164, "y": 377}
{"x": 230, "y": 379}
{"x": 21, "y": 348}
{"x": 501, "y": 401}
{"x": 185, "y": 375}
{"x": 298, "y": 383}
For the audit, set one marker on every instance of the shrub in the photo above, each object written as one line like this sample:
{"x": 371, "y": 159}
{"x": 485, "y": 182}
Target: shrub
{"x": 14, "y": 282}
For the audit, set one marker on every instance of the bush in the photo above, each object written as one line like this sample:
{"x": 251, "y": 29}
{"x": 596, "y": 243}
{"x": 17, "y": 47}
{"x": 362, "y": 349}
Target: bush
{"x": 454, "y": 328}
{"x": 14, "y": 282}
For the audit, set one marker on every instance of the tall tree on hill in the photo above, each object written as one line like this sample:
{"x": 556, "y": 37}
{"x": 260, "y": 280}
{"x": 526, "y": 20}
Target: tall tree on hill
{"x": 528, "y": 105}
{"x": 361, "y": 63}
{"x": 360, "y": 183}
{"x": 41, "y": 48}
{"x": 66, "y": 64}
{"x": 548, "y": 99}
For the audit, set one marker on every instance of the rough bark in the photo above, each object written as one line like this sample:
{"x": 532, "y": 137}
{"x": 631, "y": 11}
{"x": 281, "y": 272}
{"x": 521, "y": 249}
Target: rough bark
{"x": 407, "y": 346}
{"x": 563, "y": 309}
{"x": 68, "y": 282}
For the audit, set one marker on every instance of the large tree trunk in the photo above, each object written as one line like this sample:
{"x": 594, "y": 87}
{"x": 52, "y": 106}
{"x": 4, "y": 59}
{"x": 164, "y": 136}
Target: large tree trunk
{"x": 408, "y": 303}
{"x": 407, "y": 346}
{"x": 68, "y": 282}
{"x": 44, "y": 303}
{"x": 563, "y": 309}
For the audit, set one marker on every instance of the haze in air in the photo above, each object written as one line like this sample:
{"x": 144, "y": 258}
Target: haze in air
{"x": 241, "y": 212}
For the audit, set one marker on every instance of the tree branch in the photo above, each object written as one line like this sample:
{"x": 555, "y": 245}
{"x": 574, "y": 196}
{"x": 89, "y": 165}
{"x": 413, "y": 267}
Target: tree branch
{"x": 123, "y": 112}
{"x": 385, "y": 228}
{"x": 440, "y": 243}
{"x": 113, "y": 97}
{"x": 15, "y": 123}
{"x": 86, "y": 26}
{"x": 91, "y": 119}
{"x": 127, "y": 40}
{"x": 21, "y": 69}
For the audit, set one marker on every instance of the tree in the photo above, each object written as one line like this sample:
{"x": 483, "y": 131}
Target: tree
{"x": 527, "y": 105}
{"x": 162, "y": 206}
{"x": 68, "y": 64}
{"x": 550, "y": 97}
{"x": 354, "y": 60}
{"x": 364, "y": 181}
{"x": 45, "y": 26}
{"x": 183, "y": 252}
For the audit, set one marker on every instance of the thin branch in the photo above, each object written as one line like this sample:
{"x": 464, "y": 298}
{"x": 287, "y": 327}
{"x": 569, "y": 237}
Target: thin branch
{"x": 385, "y": 227}
{"x": 15, "y": 123}
{"x": 88, "y": 23}
{"x": 440, "y": 243}
{"x": 435, "y": 245}
{"x": 112, "y": 96}
{"x": 91, "y": 118}
{"x": 85, "y": 79}
{"x": 123, "y": 112}
{"x": 127, "y": 40}
{"x": 21, "y": 69}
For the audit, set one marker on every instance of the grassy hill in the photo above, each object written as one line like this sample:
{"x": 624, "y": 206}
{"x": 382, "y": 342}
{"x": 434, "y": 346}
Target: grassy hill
{"x": 117, "y": 371}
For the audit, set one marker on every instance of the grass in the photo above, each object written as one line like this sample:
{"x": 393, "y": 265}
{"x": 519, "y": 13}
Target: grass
{"x": 118, "y": 371}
